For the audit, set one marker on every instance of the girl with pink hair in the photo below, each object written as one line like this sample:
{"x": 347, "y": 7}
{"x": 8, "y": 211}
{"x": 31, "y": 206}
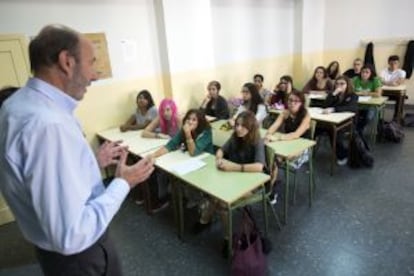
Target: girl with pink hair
{"x": 166, "y": 124}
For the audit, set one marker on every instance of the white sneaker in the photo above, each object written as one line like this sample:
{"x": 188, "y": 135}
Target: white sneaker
{"x": 273, "y": 199}
{"x": 342, "y": 162}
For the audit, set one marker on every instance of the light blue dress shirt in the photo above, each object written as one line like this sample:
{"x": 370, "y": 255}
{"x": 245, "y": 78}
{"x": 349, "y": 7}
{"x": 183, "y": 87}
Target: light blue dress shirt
{"x": 49, "y": 175}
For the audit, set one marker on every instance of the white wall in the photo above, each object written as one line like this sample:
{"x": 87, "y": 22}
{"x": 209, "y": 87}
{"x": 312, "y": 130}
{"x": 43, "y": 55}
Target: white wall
{"x": 207, "y": 33}
{"x": 122, "y": 21}
{"x": 250, "y": 29}
{"x": 198, "y": 34}
{"x": 348, "y": 22}
{"x": 189, "y": 34}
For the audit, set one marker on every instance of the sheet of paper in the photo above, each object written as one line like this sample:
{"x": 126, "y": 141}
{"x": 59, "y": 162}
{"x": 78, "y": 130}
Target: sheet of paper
{"x": 364, "y": 98}
{"x": 188, "y": 166}
{"x": 315, "y": 110}
{"x": 317, "y": 96}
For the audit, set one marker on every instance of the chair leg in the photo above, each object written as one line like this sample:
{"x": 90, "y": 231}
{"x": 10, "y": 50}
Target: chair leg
{"x": 311, "y": 178}
{"x": 279, "y": 225}
{"x": 294, "y": 188}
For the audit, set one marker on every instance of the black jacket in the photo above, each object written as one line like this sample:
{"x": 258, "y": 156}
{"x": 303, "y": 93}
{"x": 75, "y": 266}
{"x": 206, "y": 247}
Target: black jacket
{"x": 348, "y": 103}
{"x": 369, "y": 56}
{"x": 221, "y": 110}
{"x": 409, "y": 59}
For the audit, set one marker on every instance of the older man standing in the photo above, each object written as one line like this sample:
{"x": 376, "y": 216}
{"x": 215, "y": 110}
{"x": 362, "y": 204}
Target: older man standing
{"x": 49, "y": 175}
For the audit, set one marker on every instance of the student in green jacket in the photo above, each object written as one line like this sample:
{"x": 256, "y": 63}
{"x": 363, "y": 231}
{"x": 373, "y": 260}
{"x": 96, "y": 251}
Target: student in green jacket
{"x": 368, "y": 84}
{"x": 195, "y": 136}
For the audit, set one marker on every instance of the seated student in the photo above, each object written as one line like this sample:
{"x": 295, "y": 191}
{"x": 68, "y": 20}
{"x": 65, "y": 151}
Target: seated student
{"x": 368, "y": 84}
{"x": 356, "y": 70}
{"x": 252, "y": 102}
{"x": 342, "y": 99}
{"x": 195, "y": 137}
{"x": 166, "y": 124}
{"x": 333, "y": 70}
{"x": 264, "y": 93}
{"x": 393, "y": 76}
{"x": 145, "y": 113}
{"x": 243, "y": 152}
{"x": 319, "y": 81}
{"x": 214, "y": 104}
{"x": 279, "y": 99}
{"x": 296, "y": 122}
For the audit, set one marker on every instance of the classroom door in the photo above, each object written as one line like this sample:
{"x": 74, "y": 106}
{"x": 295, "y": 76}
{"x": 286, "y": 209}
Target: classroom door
{"x": 14, "y": 71}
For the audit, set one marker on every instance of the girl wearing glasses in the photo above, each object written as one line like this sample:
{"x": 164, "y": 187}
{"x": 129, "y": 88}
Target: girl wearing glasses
{"x": 342, "y": 99}
{"x": 296, "y": 122}
{"x": 279, "y": 99}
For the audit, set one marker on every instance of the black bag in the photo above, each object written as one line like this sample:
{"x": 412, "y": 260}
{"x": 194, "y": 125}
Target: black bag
{"x": 360, "y": 155}
{"x": 390, "y": 131}
{"x": 409, "y": 120}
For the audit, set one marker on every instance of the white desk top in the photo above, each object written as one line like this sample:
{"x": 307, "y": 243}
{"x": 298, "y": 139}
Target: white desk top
{"x": 394, "y": 88}
{"x": 335, "y": 118}
{"x": 226, "y": 186}
{"x": 368, "y": 100}
{"x": 136, "y": 143}
{"x": 114, "y": 134}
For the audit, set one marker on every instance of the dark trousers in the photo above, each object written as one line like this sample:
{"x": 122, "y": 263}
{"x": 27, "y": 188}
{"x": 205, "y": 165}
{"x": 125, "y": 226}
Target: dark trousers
{"x": 397, "y": 100}
{"x": 342, "y": 142}
{"x": 99, "y": 259}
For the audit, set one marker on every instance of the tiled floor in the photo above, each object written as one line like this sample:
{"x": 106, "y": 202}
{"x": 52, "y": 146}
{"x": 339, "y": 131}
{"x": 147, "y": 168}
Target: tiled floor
{"x": 361, "y": 223}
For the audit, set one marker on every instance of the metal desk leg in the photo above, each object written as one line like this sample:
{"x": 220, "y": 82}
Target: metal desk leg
{"x": 311, "y": 183}
{"x": 401, "y": 107}
{"x": 333, "y": 161}
{"x": 286, "y": 199}
{"x": 176, "y": 198}
{"x": 264, "y": 201}
{"x": 180, "y": 210}
{"x": 375, "y": 125}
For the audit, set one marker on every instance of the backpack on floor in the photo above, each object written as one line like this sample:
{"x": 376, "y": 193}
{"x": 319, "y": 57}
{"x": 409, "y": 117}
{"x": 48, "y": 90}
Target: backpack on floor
{"x": 390, "y": 131}
{"x": 409, "y": 120}
{"x": 360, "y": 155}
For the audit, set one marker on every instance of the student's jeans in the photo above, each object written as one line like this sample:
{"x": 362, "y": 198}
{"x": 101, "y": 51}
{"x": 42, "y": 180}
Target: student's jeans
{"x": 365, "y": 116}
{"x": 397, "y": 100}
{"x": 342, "y": 142}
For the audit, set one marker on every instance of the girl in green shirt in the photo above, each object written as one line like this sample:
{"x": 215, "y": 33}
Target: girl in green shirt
{"x": 195, "y": 136}
{"x": 367, "y": 84}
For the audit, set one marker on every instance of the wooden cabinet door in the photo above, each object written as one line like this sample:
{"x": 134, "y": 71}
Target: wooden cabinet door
{"x": 14, "y": 71}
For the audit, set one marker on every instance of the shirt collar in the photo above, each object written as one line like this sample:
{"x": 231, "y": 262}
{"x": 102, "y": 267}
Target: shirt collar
{"x": 56, "y": 95}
